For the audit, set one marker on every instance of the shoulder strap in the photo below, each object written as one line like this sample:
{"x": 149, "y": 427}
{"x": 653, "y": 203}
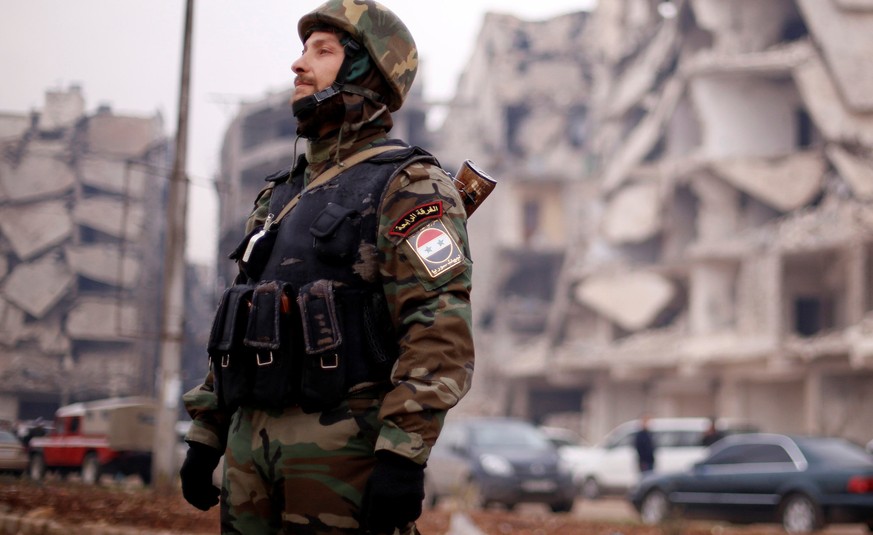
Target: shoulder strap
{"x": 332, "y": 172}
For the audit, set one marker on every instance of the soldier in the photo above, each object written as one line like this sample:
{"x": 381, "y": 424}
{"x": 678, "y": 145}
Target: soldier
{"x": 347, "y": 337}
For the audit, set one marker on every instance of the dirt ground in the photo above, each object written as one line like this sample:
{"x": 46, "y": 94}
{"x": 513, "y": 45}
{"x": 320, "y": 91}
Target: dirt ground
{"x": 72, "y": 503}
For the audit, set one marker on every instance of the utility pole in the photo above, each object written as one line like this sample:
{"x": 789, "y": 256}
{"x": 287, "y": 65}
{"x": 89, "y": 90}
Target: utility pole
{"x": 173, "y": 291}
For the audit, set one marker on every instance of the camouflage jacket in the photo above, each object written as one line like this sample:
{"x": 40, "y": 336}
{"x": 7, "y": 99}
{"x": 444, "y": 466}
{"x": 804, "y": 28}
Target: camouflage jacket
{"x": 431, "y": 315}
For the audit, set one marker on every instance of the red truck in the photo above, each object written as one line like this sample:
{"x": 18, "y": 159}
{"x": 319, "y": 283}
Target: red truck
{"x": 108, "y": 436}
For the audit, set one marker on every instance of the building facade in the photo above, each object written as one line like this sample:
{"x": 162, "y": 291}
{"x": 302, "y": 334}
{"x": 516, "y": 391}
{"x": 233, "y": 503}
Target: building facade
{"x": 81, "y": 216}
{"x": 717, "y": 221}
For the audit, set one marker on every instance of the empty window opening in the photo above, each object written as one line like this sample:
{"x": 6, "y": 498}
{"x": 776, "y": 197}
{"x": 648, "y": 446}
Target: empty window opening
{"x": 812, "y": 315}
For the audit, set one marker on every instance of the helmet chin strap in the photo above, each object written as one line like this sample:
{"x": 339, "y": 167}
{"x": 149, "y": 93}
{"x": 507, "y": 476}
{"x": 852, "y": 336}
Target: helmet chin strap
{"x": 309, "y": 103}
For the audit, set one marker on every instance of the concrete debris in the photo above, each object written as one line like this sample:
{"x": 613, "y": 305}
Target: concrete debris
{"x": 633, "y": 300}
{"x": 115, "y": 176}
{"x": 634, "y": 214}
{"x": 104, "y": 263}
{"x": 103, "y": 319}
{"x": 37, "y": 176}
{"x": 38, "y": 286}
{"x": 785, "y": 183}
{"x": 856, "y": 170}
{"x": 31, "y": 229}
{"x": 110, "y": 216}
{"x": 845, "y": 39}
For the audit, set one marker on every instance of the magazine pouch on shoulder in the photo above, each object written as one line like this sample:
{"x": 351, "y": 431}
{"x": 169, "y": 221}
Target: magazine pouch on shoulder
{"x": 323, "y": 377}
{"x": 268, "y": 335}
{"x": 232, "y": 362}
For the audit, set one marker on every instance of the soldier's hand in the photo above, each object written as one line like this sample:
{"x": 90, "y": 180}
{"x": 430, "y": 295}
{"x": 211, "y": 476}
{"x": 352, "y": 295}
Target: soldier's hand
{"x": 394, "y": 492}
{"x": 196, "y": 474}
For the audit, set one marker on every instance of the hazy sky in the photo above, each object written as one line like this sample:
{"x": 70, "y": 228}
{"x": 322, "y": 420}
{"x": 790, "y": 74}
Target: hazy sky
{"x": 127, "y": 53}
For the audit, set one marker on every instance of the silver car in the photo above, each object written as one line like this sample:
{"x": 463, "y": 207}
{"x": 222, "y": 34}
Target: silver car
{"x": 501, "y": 461}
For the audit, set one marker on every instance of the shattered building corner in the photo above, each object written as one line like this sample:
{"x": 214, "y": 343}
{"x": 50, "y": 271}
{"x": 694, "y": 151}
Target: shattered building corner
{"x": 79, "y": 277}
{"x": 701, "y": 217}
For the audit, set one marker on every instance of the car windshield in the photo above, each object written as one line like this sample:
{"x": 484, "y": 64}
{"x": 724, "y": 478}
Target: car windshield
{"x": 509, "y": 435}
{"x": 834, "y": 452}
{"x": 8, "y": 438}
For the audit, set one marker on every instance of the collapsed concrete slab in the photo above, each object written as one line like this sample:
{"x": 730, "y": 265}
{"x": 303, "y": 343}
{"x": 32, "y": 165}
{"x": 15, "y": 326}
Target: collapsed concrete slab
{"x": 784, "y": 183}
{"x": 110, "y": 216}
{"x": 632, "y": 300}
{"x": 633, "y": 215}
{"x": 114, "y": 176}
{"x": 825, "y": 105}
{"x": 37, "y": 286}
{"x": 37, "y": 176}
{"x": 101, "y": 319}
{"x": 33, "y": 228}
{"x": 857, "y": 171}
{"x": 846, "y": 41}
{"x": 104, "y": 263}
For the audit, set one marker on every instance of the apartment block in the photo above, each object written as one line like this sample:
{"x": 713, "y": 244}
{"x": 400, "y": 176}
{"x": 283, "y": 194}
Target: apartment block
{"x": 81, "y": 223}
{"x": 717, "y": 229}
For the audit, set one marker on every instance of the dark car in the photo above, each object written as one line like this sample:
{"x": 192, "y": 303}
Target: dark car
{"x": 802, "y": 482}
{"x": 500, "y": 461}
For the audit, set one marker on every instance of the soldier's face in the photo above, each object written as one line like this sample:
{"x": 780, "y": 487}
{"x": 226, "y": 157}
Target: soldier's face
{"x": 318, "y": 65}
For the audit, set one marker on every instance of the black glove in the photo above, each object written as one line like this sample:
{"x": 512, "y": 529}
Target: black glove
{"x": 196, "y": 474}
{"x": 394, "y": 493}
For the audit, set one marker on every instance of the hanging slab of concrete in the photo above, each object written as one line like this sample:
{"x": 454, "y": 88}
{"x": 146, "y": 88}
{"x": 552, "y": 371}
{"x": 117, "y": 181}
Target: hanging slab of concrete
{"x": 101, "y": 319}
{"x": 33, "y": 228}
{"x": 633, "y": 214}
{"x": 825, "y": 105}
{"x": 114, "y": 176}
{"x": 846, "y": 41}
{"x": 641, "y": 75}
{"x": 122, "y": 136}
{"x": 38, "y": 286}
{"x": 857, "y": 171}
{"x": 644, "y": 136}
{"x": 104, "y": 263}
{"x": 36, "y": 177}
{"x": 110, "y": 216}
{"x": 784, "y": 184}
{"x": 632, "y": 300}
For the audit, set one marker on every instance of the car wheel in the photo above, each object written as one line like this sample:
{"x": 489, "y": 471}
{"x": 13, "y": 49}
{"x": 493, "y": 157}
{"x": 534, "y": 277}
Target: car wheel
{"x": 90, "y": 469}
{"x": 800, "y": 514}
{"x": 561, "y": 507}
{"x": 590, "y": 489}
{"x": 655, "y": 508}
{"x": 36, "y": 470}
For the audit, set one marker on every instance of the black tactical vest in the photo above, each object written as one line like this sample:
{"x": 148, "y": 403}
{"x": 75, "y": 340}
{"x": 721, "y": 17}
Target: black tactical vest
{"x": 318, "y": 323}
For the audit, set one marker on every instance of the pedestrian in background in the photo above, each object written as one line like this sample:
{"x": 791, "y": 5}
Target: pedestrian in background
{"x": 644, "y": 443}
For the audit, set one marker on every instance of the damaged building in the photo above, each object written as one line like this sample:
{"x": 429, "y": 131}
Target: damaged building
{"x": 79, "y": 276}
{"x": 708, "y": 168}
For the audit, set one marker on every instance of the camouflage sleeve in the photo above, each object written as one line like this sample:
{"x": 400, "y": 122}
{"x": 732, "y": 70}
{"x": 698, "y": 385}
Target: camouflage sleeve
{"x": 426, "y": 269}
{"x": 210, "y": 422}
{"x": 260, "y": 209}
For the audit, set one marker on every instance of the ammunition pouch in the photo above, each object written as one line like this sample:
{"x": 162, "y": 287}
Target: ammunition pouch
{"x": 231, "y": 361}
{"x": 268, "y": 353}
{"x": 323, "y": 379}
{"x": 270, "y": 336}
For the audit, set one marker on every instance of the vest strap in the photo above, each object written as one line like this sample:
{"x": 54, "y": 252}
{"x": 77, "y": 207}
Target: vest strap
{"x": 330, "y": 173}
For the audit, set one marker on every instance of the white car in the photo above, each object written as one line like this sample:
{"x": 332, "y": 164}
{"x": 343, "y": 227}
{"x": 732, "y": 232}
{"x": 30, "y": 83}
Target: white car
{"x": 611, "y": 466}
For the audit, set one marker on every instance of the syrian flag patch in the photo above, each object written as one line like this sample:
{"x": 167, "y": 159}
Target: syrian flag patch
{"x": 435, "y": 248}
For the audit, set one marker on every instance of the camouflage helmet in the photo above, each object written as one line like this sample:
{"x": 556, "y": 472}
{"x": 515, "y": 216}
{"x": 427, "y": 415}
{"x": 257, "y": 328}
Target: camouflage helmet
{"x": 380, "y": 31}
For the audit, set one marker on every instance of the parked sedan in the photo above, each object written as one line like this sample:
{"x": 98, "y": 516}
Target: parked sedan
{"x": 13, "y": 454}
{"x": 484, "y": 461}
{"x": 802, "y": 482}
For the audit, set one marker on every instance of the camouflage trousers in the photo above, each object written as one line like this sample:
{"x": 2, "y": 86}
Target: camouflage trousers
{"x": 287, "y": 472}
